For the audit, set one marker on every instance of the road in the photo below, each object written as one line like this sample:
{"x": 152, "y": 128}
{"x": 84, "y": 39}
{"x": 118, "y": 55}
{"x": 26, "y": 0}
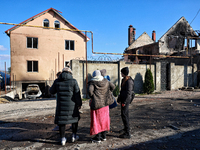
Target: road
{"x": 169, "y": 120}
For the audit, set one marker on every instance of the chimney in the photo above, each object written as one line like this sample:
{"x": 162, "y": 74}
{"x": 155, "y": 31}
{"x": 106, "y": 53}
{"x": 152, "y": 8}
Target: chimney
{"x": 154, "y": 35}
{"x": 131, "y": 35}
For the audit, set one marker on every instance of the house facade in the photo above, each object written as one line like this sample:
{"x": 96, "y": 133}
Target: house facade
{"x": 38, "y": 53}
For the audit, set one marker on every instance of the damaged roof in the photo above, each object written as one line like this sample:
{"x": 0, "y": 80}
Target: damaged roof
{"x": 180, "y": 28}
{"x": 143, "y": 39}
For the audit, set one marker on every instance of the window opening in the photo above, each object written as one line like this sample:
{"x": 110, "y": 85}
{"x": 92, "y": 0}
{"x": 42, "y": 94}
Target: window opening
{"x": 66, "y": 63}
{"x": 69, "y": 45}
{"x": 46, "y": 23}
{"x": 57, "y": 24}
{"x": 32, "y": 42}
{"x": 32, "y": 66}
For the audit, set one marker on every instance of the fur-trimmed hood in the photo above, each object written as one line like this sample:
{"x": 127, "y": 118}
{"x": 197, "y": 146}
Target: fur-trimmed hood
{"x": 100, "y": 92}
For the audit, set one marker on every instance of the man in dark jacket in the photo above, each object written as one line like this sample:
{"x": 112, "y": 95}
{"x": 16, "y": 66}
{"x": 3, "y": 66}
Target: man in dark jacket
{"x": 125, "y": 98}
{"x": 68, "y": 103}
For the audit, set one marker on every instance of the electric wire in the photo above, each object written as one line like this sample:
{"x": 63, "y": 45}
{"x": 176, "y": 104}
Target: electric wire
{"x": 195, "y": 17}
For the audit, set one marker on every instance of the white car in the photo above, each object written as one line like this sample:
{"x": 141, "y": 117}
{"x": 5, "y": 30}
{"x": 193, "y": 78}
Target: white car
{"x": 33, "y": 91}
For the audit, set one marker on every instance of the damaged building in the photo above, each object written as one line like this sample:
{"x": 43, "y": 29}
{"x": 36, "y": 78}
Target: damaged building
{"x": 179, "y": 45}
{"x": 175, "y": 42}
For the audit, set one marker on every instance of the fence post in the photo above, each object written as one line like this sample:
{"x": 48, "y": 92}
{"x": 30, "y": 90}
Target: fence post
{"x": 5, "y": 78}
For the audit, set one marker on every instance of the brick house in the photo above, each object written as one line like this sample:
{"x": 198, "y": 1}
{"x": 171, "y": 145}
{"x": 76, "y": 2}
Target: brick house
{"x": 37, "y": 54}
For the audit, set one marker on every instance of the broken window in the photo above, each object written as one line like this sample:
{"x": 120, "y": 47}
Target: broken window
{"x": 69, "y": 45}
{"x": 46, "y": 23}
{"x": 66, "y": 63}
{"x": 172, "y": 42}
{"x": 176, "y": 42}
{"x": 57, "y": 24}
{"x": 32, "y": 66}
{"x": 32, "y": 42}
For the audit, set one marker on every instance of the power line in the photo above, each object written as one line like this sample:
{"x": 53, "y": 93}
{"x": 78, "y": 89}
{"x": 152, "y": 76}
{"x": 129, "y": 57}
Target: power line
{"x": 195, "y": 17}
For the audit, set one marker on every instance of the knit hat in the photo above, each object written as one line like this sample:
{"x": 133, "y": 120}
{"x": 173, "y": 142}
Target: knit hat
{"x": 96, "y": 73}
{"x": 67, "y": 69}
{"x": 103, "y": 72}
{"x": 125, "y": 71}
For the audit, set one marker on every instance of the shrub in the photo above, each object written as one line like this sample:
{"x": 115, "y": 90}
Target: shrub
{"x": 116, "y": 91}
{"x": 148, "y": 82}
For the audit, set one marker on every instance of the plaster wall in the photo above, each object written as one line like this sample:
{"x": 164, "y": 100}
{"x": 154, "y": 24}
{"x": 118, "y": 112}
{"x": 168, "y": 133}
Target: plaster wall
{"x": 136, "y": 71}
{"x": 50, "y": 54}
{"x": 181, "y": 76}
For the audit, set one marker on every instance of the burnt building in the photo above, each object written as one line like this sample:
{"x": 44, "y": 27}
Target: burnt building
{"x": 179, "y": 40}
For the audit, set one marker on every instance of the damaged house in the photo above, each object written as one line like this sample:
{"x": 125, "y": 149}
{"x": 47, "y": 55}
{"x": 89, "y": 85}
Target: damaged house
{"x": 180, "y": 45}
{"x": 40, "y": 51}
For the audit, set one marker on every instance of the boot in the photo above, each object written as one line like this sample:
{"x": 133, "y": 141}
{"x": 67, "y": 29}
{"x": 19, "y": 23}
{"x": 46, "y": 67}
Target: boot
{"x": 125, "y": 135}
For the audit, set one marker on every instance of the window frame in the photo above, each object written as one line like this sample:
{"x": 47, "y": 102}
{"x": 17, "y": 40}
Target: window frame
{"x": 32, "y": 69}
{"x": 32, "y": 42}
{"x": 45, "y": 21}
{"x": 70, "y": 45}
{"x": 56, "y": 22}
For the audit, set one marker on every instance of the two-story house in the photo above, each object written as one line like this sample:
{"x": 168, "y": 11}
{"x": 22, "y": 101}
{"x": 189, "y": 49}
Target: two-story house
{"x": 40, "y": 51}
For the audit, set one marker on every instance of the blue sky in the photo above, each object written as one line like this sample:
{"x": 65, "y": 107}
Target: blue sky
{"x": 107, "y": 19}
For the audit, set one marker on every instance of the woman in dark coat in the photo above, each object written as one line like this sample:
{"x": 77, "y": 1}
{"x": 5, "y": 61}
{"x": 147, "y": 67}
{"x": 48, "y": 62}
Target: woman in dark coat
{"x": 68, "y": 103}
{"x": 100, "y": 91}
{"x": 125, "y": 98}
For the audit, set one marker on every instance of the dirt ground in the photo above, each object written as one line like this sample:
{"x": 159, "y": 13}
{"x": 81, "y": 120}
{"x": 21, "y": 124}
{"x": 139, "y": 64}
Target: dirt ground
{"x": 166, "y": 121}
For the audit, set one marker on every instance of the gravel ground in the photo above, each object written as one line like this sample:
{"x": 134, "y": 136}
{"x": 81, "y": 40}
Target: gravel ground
{"x": 169, "y": 120}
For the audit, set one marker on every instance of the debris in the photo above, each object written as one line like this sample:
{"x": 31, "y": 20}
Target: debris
{"x": 174, "y": 127}
{"x": 3, "y": 100}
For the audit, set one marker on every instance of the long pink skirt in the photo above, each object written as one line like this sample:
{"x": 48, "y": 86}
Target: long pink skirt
{"x": 100, "y": 120}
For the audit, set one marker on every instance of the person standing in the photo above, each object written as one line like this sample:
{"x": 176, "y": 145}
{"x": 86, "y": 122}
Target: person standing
{"x": 125, "y": 98}
{"x": 103, "y": 73}
{"x": 68, "y": 103}
{"x": 100, "y": 92}
{"x": 57, "y": 127}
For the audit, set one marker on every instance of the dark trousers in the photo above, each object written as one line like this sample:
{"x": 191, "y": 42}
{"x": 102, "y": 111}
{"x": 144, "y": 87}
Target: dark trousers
{"x": 125, "y": 117}
{"x": 101, "y": 135}
{"x": 62, "y": 129}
